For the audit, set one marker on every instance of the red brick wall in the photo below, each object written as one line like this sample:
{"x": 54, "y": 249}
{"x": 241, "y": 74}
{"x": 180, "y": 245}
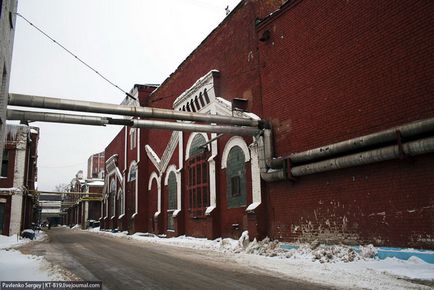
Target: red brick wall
{"x": 117, "y": 146}
{"x": 231, "y": 49}
{"x": 345, "y": 70}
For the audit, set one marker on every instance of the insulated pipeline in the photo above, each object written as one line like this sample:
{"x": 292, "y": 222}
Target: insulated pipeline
{"x": 55, "y": 118}
{"x": 178, "y": 126}
{"x": 143, "y": 112}
{"x": 414, "y": 148}
{"x": 103, "y": 121}
{"x": 340, "y": 148}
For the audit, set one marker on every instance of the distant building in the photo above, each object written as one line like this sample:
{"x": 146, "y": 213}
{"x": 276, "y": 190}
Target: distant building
{"x": 7, "y": 30}
{"x": 95, "y": 166}
{"x": 82, "y": 208}
{"x": 18, "y": 179}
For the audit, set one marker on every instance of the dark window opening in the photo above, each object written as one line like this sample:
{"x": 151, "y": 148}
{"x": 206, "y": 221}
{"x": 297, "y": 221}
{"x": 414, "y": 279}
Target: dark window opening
{"x": 5, "y": 163}
{"x": 235, "y": 186}
{"x": 201, "y": 100}
{"x": 205, "y": 93}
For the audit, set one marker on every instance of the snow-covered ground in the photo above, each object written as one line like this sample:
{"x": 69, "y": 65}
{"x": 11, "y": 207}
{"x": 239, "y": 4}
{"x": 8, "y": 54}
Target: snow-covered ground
{"x": 15, "y": 266}
{"x": 338, "y": 266}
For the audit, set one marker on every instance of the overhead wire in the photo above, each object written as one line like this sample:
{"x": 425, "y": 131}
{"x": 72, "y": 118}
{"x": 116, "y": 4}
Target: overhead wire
{"x": 74, "y": 55}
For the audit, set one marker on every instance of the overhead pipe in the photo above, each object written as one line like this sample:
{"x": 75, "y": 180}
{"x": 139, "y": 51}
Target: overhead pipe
{"x": 55, "y": 118}
{"x": 103, "y": 121}
{"x": 407, "y": 130}
{"x": 143, "y": 112}
{"x": 414, "y": 148}
{"x": 177, "y": 126}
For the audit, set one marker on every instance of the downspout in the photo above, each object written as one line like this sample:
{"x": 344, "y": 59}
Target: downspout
{"x": 272, "y": 169}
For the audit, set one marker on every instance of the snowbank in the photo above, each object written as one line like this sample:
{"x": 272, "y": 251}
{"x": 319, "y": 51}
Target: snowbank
{"x": 15, "y": 266}
{"x": 336, "y": 266}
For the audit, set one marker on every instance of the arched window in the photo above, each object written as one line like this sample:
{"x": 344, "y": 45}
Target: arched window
{"x": 121, "y": 202}
{"x": 172, "y": 196}
{"x": 132, "y": 174}
{"x": 198, "y": 177}
{"x": 112, "y": 198}
{"x": 236, "y": 178}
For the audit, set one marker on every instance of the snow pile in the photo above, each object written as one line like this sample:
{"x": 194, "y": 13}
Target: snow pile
{"x": 337, "y": 265}
{"x": 13, "y": 263}
{"x": 15, "y": 240}
{"x": 18, "y": 267}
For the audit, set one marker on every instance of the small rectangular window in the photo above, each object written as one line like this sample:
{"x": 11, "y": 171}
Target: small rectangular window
{"x": 235, "y": 186}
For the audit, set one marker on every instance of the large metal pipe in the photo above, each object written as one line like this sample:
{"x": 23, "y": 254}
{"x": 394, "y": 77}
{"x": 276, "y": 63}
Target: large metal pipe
{"x": 407, "y": 130}
{"x": 413, "y": 148}
{"x": 102, "y": 121}
{"x": 143, "y": 112}
{"x": 55, "y": 118}
{"x": 175, "y": 126}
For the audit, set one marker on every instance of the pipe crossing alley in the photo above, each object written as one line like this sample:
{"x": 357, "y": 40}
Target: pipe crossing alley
{"x": 410, "y": 139}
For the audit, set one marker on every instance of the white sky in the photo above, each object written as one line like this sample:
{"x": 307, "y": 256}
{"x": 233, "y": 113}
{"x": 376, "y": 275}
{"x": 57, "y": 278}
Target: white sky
{"x": 129, "y": 41}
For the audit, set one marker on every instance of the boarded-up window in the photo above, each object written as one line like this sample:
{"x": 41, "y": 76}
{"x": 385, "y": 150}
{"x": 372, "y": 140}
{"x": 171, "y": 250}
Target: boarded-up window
{"x": 236, "y": 178}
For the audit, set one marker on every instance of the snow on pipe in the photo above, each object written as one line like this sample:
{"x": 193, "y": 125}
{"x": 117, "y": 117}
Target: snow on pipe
{"x": 144, "y": 112}
{"x": 407, "y": 130}
{"x": 103, "y": 121}
{"x": 413, "y": 148}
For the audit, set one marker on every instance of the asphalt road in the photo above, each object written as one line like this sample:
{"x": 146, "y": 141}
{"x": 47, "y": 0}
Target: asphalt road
{"x": 128, "y": 264}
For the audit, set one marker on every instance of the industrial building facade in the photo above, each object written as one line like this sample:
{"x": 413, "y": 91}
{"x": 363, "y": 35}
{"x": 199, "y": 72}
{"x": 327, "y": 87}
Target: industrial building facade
{"x": 18, "y": 208}
{"x": 320, "y": 74}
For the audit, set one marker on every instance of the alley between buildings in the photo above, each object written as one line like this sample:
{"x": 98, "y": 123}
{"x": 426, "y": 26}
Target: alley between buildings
{"x": 127, "y": 264}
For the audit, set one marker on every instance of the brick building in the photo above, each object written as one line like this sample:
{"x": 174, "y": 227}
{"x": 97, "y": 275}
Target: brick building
{"x": 319, "y": 75}
{"x": 83, "y": 203}
{"x": 18, "y": 178}
{"x": 95, "y": 166}
{"x": 7, "y": 31}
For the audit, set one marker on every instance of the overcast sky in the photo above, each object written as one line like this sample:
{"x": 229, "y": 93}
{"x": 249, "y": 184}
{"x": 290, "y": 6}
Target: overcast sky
{"x": 129, "y": 41}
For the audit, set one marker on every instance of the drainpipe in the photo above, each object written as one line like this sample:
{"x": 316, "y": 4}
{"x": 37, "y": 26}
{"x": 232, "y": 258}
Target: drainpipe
{"x": 272, "y": 169}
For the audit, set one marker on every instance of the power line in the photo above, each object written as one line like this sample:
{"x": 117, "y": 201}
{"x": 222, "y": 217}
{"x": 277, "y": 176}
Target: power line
{"x": 74, "y": 55}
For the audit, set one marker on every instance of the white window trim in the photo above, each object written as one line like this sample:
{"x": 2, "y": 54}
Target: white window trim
{"x": 157, "y": 177}
{"x": 172, "y": 168}
{"x": 211, "y": 167}
{"x": 133, "y": 163}
{"x": 133, "y": 138}
{"x": 190, "y": 141}
{"x": 234, "y": 141}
